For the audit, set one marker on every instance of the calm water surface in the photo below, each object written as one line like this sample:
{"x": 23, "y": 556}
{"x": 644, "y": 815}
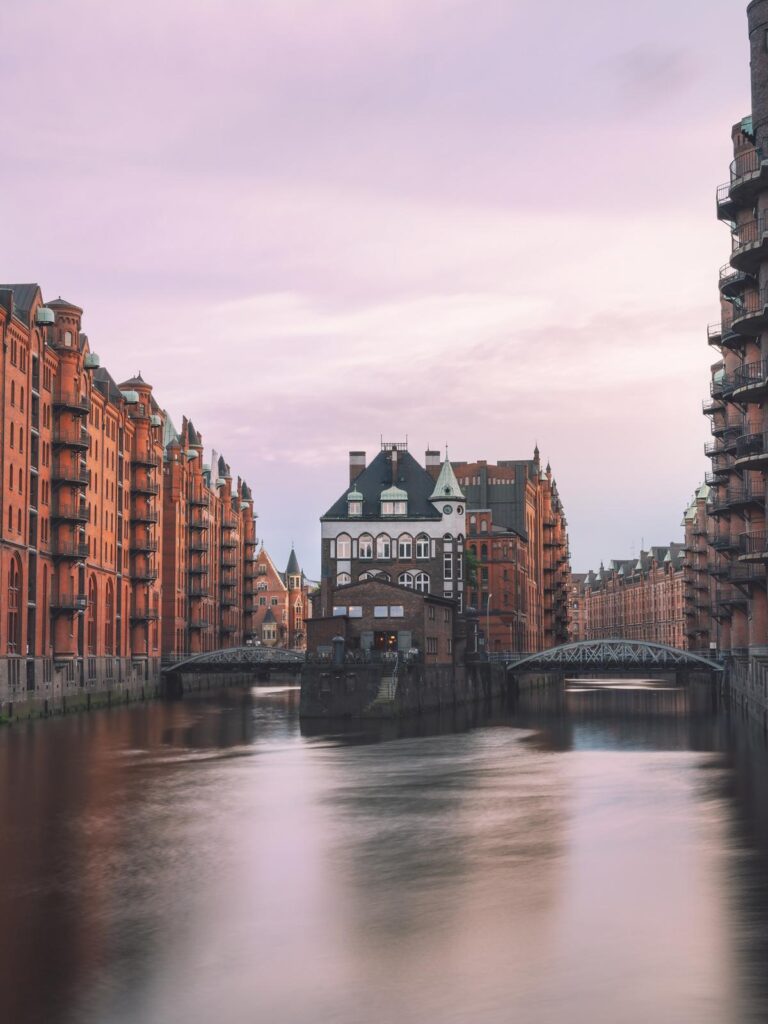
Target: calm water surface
{"x": 599, "y": 855}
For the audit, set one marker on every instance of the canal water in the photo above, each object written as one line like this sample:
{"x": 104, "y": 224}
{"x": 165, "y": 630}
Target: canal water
{"x": 596, "y": 855}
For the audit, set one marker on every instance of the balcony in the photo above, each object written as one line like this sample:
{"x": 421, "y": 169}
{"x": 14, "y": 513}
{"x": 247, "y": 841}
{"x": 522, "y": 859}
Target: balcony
{"x": 198, "y": 522}
{"x": 195, "y": 622}
{"x": 743, "y": 574}
{"x": 72, "y": 511}
{"x": 748, "y": 244}
{"x": 144, "y": 516}
{"x": 66, "y": 473}
{"x": 252, "y": 571}
{"x": 197, "y": 501}
{"x": 749, "y": 174}
{"x": 750, "y": 381}
{"x": 71, "y": 437}
{"x": 228, "y": 561}
{"x": 750, "y": 313}
{"x": 148, "y": 575}
{"x": 710, "y": 406}
{"x": 145, "y": 487}
{"x": 230, "y": 522}
{"x": 752, "y": 451}
{"x": 196, "y": 545}
{"x": 199, "y": 570}
{"x": 753, "y": 547}
{"x": 725, "y": 543}
{"x": 228, "y": 583}
{"x": 229, "y": 542}
{"x": 143, "y": 547}
{"x": 197, "y": 590}
{"x": 71, "y": 401}
{"x": 733, "y": 282}
{"x": 726, "y": 208}
{"x": 68, "y": 549}
{"x": 727, "y": 425}
{"x": 228, "y": 601}
{"x": 144, "y": 459}
{"x": 727, "y": 597}
{"x": 67, "y": 601}
{"x": 144, "y": 614}
{"x": 228, "y": 627}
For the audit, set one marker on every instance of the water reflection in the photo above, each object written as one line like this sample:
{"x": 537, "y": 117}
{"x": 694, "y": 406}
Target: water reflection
{"x": 594, "y": 854}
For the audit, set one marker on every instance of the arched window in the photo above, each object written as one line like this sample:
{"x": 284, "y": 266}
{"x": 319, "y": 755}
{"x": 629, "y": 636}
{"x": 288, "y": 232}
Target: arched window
{"x": 383, "y": 546}
{"x": 405, "y": 579}
{"x": 422, "y": 547}
{"x": 109, "y": 623}
{"x": 91, "y": 620}
{"x": 343, "y": 546}
{"x": 483, "y": 526}
{"x": 365, "y": 546}
{"x": 374, "y": 574}
{"x": 422, "y": 582}
{"x": 14, "y": 602}
{"x": 342, "y": 579}
{"x": 405, "y": 546}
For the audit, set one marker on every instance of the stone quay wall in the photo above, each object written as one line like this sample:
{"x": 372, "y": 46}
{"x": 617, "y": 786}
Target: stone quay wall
{"x": 36, "y": 687}
{"x": 353, "y": 691}
{"x": 745, "y": 685}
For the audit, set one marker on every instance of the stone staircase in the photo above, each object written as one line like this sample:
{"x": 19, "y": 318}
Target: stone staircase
{"x": 385, "y": 698}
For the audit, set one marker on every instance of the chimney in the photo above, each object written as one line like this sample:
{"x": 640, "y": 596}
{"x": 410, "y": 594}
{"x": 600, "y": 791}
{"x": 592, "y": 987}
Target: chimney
{"x": 432, "y": 463}
{"x": 356, "y": 465}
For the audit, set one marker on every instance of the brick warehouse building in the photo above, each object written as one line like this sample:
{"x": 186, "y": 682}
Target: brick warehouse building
{"x": 739, "y": 389}
{"x": 91, "y": 536}
{"x": 517, "y": 531}
{"x": 639, "y": 598}
{"x": 281, "y": 603}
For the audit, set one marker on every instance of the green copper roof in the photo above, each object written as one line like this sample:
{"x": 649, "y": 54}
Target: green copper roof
{"x": 394, "y": 494}
{"x": 447, "y": 486}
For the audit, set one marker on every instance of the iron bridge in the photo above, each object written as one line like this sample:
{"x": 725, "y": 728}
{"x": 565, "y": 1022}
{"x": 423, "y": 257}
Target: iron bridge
{"x": 234, "y": 659}
{"x": 609, "y": 654}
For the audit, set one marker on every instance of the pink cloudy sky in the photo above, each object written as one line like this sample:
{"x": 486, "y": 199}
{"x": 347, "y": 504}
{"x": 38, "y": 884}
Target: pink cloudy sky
{"x": 312, "y": 222}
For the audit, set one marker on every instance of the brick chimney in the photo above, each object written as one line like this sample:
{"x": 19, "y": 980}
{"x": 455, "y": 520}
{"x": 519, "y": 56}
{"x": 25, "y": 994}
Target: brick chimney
{"x": 356, "y": 465}
{"x": 432, "y": 463}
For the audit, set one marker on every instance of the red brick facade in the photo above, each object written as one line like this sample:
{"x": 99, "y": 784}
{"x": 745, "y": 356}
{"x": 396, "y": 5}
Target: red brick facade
{"x": 281, "y": 603}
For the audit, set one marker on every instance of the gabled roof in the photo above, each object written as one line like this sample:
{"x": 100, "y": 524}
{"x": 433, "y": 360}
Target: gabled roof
{"x": 137, "y": 381}
{"x": 446, "y": 485}
{"x": 23, "y": 298}
{"x": 377, "y": 477}
{"x": 269, "y": 617}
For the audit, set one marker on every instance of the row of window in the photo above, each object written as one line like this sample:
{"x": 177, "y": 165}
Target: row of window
{"x": 413, "y": 581}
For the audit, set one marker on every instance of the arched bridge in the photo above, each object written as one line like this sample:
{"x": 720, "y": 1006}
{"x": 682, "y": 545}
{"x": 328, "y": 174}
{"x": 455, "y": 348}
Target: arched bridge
{"x": 606, "y": 655}
{"x": 237, "y": 659}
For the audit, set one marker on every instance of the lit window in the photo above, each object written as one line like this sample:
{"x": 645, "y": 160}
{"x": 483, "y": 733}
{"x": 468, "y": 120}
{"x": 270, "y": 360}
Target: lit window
{"x": 339, "y": 609}
{"x": 355, "y": 611}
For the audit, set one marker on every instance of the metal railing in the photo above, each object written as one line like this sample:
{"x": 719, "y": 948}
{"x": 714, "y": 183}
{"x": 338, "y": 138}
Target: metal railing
{"x": 753, "y": 544}
{"x": 72, "y": 437}
{"x": 745, "y": 164}
{"x": 750, "y": 445}
{"x": 79, "y": 511}
{"x": 70, "y": 399}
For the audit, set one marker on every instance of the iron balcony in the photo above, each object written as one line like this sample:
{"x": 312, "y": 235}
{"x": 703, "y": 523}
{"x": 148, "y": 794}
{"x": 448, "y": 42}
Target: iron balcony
{"x": 145, "y": 487}
{"x": 144, "y": 575}
{"x": 68, "y": 549}
{"x": 752, "y": 451}
{"x": 753, "y": 547}
{"x": 71, "y": 401}
{"x": 72, "y": 437}
{"x": 196, "y": 623}
{"x": 197, "y": 590}
{"x": 229, "y": 542}
{"x": 733, "y": 281}
{"x": 144, "y": 614}
{"x": 750, "y": 381}
{"x": 68, "y": 601}
{"x": 750, "y": 313}
{"x": 749, "y": 174}
{"x": 725, "y": 543}
{"x": 145, "y": 459}
{"x": 64, "y": 473}
{"x": 143, "y": 547}
{"x": 198, "y": 501}
{"x": 144, "y": 516}
{"x": 195, "y": 544}
{"x": 229, "y": 561}
{"x": 743, "y": 574}
{"x": 199, "y": 570}
{"x": 75, "y": 511}
{"x": 227, "y": 601}
{"x": 726, "y": 208}
{"x": 198, "y": 522}
{"x": 749, "y": 240}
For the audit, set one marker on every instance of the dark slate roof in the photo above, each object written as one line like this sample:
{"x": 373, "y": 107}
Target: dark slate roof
{"x": 377, "y": 477}
{"x": 292, "y": 569}
{"x": 106, "y": 385}
{"x": 23, "y": 298}
{"x": 269, "y": 617}
{"x": 246, "y": 493}
{"x": 224, "y": 470}
{"x": 192, "y": 434}
{"x": 133, "y": 382}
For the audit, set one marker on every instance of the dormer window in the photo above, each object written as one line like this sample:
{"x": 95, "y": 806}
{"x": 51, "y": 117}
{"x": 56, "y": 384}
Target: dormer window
{"x": 394, "y": 502}
{"x": 354, "y": 503}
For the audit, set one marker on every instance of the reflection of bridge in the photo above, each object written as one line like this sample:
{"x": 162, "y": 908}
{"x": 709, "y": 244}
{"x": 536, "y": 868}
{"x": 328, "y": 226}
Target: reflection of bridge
{"x": 611, "y": 655}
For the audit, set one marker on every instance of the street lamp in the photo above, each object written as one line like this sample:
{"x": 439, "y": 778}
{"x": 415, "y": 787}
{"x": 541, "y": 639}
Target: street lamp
{"x": 488, "y": 623}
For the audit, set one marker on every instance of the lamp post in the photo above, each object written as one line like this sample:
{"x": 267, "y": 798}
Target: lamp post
{"x": 488, "y": 624}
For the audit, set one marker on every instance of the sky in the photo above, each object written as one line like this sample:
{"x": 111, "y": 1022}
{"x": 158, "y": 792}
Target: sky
{"x": 313, "y": 223}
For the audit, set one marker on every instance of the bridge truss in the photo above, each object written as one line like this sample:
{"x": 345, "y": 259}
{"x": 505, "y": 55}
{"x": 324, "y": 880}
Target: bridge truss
{"x": 234, "y": 658}
{"x": 618, "y": 653}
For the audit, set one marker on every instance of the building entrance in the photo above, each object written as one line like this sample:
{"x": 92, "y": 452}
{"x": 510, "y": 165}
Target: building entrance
{"x": 384, "y": 641}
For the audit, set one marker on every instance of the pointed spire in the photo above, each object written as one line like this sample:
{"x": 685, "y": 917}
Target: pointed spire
{"x": 446, "y": 485}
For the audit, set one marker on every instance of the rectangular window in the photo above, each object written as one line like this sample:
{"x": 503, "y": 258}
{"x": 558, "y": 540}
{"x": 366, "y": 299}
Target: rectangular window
{"x": 448, "y": 566}
{"x": 431, "y": 645}
{"x": 431, "y": 613}
{"x": 381, "y": 611}
{"x": 449, "y": 645}
{"x": 355, "y": 611}
{"x": 396, "y": 611}
{"x": 339, "y": 609}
